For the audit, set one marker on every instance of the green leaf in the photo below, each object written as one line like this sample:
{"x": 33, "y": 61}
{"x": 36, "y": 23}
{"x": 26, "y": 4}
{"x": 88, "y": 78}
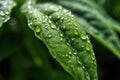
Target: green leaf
{"x": 64, "y": 37}
{"x": 96, "y": 24}
{"x": 5, "y": 10}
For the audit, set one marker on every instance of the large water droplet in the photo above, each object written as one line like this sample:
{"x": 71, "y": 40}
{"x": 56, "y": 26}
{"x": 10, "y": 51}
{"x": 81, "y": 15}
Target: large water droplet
{"x": 75, "y": 32}
{"x": 37, "y": 29}
{"x": 87, "y": 48}
{"x": 83, "y": 37}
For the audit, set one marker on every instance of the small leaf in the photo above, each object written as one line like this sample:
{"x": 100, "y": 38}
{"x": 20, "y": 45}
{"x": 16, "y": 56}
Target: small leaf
{"x": 5, "y": 10}
{"x": 96, "y": 23}
{"x": 64, "y": 37}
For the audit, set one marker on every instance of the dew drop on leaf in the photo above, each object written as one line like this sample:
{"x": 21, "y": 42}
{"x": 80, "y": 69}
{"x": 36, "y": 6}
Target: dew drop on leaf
{"x": 2, "y": 13}
{"x": 83, "y": 37}
{"x": 49, "y": 36}
{"x": 76, "y": 32}
{"x": 37, "y": 29}
{"x": 87, "y": 48}
{"x": 63, "y": 27}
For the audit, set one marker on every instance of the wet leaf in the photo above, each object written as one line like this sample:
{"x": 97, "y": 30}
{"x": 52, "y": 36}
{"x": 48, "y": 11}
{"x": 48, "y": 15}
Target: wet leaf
{"x": 64, "y": 37}
{"x": 5, "y": 10}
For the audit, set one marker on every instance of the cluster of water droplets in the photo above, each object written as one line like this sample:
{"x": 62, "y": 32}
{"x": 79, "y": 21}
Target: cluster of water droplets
{"x": 72, "y": 55}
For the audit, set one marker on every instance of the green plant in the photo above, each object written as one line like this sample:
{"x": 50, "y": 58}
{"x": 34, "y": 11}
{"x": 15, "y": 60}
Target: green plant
{"x": 62, "y": 28}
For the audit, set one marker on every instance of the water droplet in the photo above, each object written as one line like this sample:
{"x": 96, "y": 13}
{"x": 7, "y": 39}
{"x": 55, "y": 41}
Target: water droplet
{"x": 87, "y": 48}
{"x": 72, "y": 15}
{"x": 62, "y": 18}
{"x": 43, "y": 21}
{"x": 63, "y": 27}
{"x": 78, "y": 62}
{"x": 49, "y": 22}
{"x": 88, "y": 78}
{"x": 50, "y": 17}
{"x": 58, "y": 16}
{"x": 75, "y": 32}
{"x": 93, "y": 58}
{"x": 63, "y": 55}
{"x": 30, "y": 23}
{"x": 70, "y": 52}
{"x": 75, "y": 53}
{"x": 73, "y": 39}
{"x": 46, "y": 27}
{"x": 65, "y": 10}
{"x": 83, "y": 37}
{"x": 66, "y": 55}
{"x": 61, "y": 39}
{"x": 49, "y": 36}
{"x": 69, "y": 61}
{"x": 52, "y": 26}
{"x": 88, "y": 41}
{"x": 29, "y": 7}
{"x": 82, "y": 46}
{"x": 2, "y": 13}
{"x": 37, "y": 29}
{"x": 61, "y": 35}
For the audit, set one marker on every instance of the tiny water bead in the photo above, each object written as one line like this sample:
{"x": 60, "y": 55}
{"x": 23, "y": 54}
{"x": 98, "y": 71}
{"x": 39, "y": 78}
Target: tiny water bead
{"x": 61, "y": 35}
{"x": 2, "y": 13}
{"x": 75, "y": 53}
{"x": 69, "y": 61}
{"x": 50, "y": 17}
{"x": 61, "y": 39}
{"x": 70, "y": 53}
{"x": 49, "y": 36}
{"x": 53, "y": 27}
{"x": 63, "y": 27}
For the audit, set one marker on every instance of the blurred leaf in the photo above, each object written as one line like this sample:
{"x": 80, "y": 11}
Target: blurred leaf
{"x": 112, "y": 8}
{"x": 96, "y": 23}
{"x": 18, "y": 67}
{"x": 5, "y": 10}
{"x": 58, "y": 35}
{"x": 7, "y": 47}
{"x": 82, "y": 7}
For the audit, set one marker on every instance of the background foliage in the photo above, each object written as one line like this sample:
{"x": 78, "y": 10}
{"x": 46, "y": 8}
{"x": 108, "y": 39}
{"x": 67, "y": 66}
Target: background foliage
{"x": 24, "y": 57}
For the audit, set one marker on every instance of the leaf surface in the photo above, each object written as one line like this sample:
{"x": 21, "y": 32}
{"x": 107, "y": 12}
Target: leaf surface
{"x": 64, "y": 37}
